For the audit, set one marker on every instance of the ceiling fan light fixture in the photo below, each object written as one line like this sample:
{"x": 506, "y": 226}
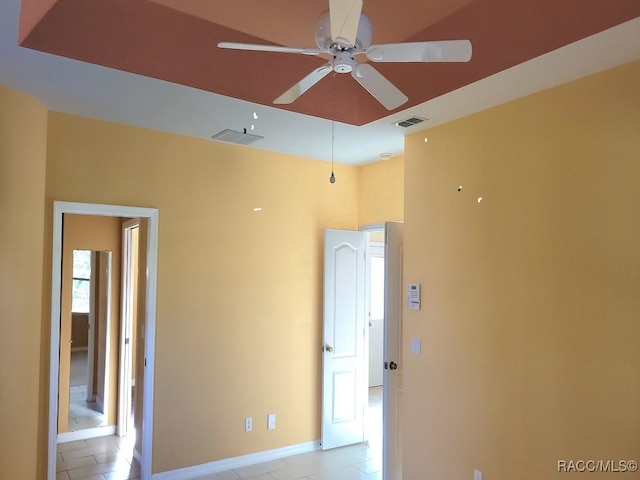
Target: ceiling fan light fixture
{"x": 345, "y": 32}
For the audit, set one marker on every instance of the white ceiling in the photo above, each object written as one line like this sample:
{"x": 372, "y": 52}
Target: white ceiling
{"x": 88, "y": 90}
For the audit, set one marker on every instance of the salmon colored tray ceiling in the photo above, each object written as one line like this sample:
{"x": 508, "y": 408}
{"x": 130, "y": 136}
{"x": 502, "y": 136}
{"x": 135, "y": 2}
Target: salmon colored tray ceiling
{"x": 176, "y": 40}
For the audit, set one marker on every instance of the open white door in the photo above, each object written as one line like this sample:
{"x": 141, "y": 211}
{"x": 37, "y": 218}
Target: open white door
{"x": 343, "y": 375}
{"x": 128, "y": 307}
{"x": 392, "y": 402}
{"x": 375, "y": 303}
{"x": 91, "y": 342}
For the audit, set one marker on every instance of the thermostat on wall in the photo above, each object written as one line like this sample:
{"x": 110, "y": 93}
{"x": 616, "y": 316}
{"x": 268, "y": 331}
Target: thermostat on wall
{"x": 413, "y": 296}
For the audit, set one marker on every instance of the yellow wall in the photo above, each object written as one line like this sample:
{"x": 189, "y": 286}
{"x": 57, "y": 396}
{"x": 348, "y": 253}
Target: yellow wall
{"x": 250, "y": 302}
{"x": 530, "y": 316}
{"x": 239, "y": 292}
{"x": 381, "y": 192}
{"x": 23, "y": 135}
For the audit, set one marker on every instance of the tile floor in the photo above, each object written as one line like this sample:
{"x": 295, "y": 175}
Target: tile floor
{"x": 109, "y": 458}
{"x": 103, "y": 458}
{"x": 82, "y": 414}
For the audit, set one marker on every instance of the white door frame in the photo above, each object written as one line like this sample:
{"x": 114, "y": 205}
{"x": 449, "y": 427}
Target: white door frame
{"x": 123, "y": 427}
{"x": 368, "y": 230}
{"x": 392, "y": 377}
{"x": 106, "y": 403}
{"x": 151, "y": 214}
{"x": 92, "y": 325}
{"x": 373, "y": 249}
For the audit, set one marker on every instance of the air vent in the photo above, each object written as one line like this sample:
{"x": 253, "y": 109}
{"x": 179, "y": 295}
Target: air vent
{"x": 239, "y": 138}
{"x": 410, "y": 122}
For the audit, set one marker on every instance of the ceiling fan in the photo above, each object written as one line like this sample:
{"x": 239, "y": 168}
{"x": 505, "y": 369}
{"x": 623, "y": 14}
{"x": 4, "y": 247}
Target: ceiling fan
{"x": 345, "y": 32}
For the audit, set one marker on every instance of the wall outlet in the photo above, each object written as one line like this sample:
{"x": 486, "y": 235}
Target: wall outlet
{"x": 248, "y": 424}
{"x": 477, "y": 475}
{"x": 271, "y": 421}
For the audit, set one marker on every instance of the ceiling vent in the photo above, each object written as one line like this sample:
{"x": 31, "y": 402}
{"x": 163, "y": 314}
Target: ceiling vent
{"x": 239, "y": 138}
{"x": 410, "y": 122}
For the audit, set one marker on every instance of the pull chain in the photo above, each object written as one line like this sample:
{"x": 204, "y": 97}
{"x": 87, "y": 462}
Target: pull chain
{"x": 332, "y": 178}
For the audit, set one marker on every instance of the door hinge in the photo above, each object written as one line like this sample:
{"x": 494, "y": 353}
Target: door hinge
{"x": 145, "y": 362}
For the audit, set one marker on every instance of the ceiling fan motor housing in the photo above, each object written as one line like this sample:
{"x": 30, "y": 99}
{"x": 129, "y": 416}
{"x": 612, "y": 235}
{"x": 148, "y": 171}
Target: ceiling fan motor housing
{"x": 323, "y": 33}
{"x": 343, "y": 61}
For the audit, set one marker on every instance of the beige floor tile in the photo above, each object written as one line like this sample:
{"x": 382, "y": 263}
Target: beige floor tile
{"x": 369, "y": 466}
{"x": 89, "y": 451}
{"x": 344, "y": 473}
{"x": 99, "y": 468}
{"x": 62, "y": 476}
{"x": 65, "y": 447}
{"x": 64, "y": 465}
{"x": 373, "y": 476}
{"x": 125, "y": 474}
{"x": 260, "y": 468}
{"x": 92, "y": 477}
{"x": 102, "y": 441}
{"x": 113, "y": 456}
{"x": 297, "y": 472}
{"x": 126, "y": 443}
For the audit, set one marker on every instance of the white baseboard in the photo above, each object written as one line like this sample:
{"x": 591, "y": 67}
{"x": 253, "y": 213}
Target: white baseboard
{"x": 86, "y": 433}
{"x": 236, "y": 462}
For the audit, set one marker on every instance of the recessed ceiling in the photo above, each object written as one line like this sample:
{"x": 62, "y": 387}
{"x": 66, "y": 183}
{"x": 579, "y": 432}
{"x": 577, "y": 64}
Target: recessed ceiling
{"x": 165, "y": 71}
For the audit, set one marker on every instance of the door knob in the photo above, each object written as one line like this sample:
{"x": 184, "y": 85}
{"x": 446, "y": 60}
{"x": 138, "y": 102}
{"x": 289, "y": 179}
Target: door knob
{"x": 329, "y": 348}
{"x": 393, "y": 366}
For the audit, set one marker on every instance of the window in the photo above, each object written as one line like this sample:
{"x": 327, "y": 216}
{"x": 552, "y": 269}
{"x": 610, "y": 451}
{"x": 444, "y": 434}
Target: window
{"x": 81, "y": 286}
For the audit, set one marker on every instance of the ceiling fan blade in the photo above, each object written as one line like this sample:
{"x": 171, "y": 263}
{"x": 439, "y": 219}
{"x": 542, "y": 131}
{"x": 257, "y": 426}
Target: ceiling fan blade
{"x": 303, "y": 85}
{"x": 382, "y": 89}
{"x": 439, "y": 51}
{"x": 272, "y": 48}
{"x": 345, "y": 18}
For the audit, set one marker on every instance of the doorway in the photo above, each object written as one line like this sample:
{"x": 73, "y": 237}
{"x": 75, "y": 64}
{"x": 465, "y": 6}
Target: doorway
{"x": 346, "y": 339}
{"x": 91, "y": 264}
{"x": 148, "y": 243}
{"x": 83, "y": 354}
{"x": 374, "y": 298}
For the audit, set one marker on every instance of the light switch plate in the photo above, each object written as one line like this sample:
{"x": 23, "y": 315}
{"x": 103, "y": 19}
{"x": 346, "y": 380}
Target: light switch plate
{"x": 416, "y": 346}
{"x": 477, "y": 475}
